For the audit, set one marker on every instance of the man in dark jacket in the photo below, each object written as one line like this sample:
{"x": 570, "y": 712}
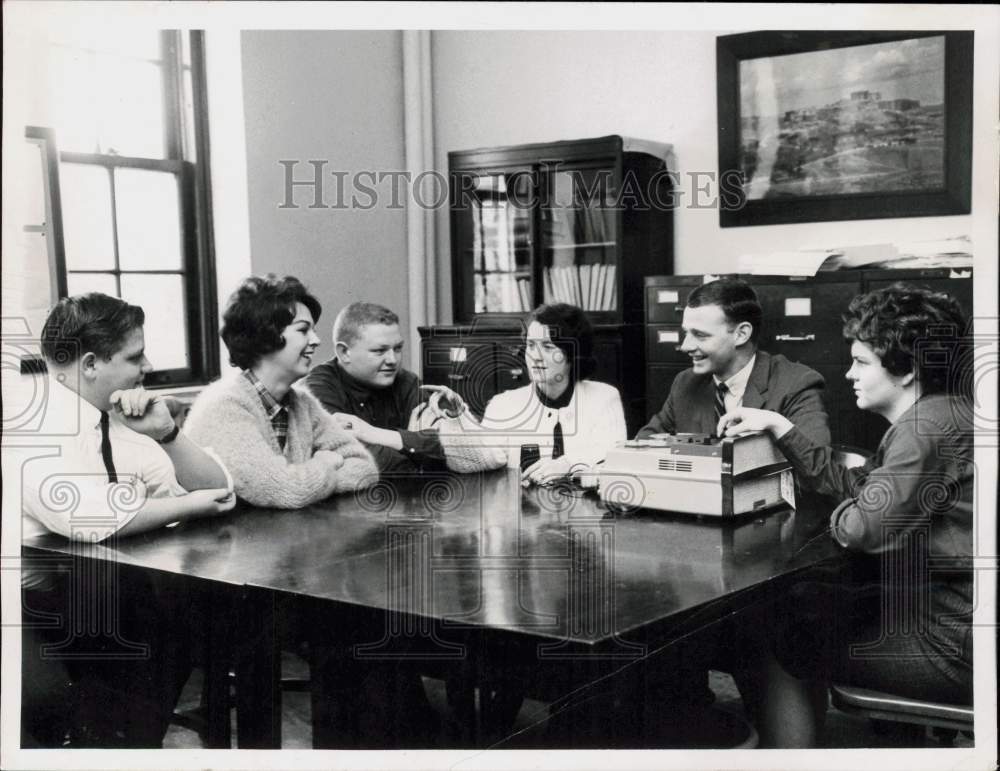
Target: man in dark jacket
{"x": 368, "y": 390}
{"x": 721, "y": 326}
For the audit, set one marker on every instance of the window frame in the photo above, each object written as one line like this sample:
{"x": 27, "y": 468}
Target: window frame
{"x": 194, "y": 209}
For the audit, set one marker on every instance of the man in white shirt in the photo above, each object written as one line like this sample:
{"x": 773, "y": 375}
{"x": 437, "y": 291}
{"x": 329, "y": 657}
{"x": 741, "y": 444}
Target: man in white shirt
{"x": 116, "y": 464}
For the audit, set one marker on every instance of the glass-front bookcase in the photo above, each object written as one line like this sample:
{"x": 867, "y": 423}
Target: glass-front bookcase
{"x": 580, "y": 222}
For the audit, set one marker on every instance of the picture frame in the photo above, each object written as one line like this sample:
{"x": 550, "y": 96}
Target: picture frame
{"x": 818, "y": 126}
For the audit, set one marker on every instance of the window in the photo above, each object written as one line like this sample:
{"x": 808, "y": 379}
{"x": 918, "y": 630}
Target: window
{"x": 132, "y": 187}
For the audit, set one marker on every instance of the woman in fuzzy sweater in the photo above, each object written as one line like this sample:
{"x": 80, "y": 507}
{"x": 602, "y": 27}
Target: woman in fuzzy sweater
{"x": 282, "y": 448}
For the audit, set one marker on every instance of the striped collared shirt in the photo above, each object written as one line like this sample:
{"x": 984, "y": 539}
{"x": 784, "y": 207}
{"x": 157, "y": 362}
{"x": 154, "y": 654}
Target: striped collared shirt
{"x": 276, "y": 411}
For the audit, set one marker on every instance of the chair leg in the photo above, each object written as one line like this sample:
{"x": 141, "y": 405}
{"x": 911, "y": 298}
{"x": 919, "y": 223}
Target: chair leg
{"x": 906, "y": 734}
{"x": 945, "y": 736}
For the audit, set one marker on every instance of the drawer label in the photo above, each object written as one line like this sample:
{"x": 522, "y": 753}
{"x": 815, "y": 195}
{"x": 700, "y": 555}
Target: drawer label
{"x": 668, "y": 336}
{"x": 457, "y": 354}
{"x": 667, "y": 296}
{"x": 798, "y": 306}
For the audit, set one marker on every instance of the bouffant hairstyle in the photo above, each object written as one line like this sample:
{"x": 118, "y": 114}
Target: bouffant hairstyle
{"x": 914, "y": 330}
{"x": 571, "y": 331}
{"x": 257, "y": 312}
{"x": 88, "y": 323}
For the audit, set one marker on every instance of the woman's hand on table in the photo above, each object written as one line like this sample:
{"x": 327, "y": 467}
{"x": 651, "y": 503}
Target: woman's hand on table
{"x": 546, "y": 470}
{"x": 745, "y": 419}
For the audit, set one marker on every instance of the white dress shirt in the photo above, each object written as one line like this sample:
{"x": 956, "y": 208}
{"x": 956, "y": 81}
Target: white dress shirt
{"x": 65, "y": 488}
{"x": 737, "y": 385}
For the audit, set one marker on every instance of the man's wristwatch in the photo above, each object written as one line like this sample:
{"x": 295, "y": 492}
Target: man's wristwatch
{"x": 171, "y": 436}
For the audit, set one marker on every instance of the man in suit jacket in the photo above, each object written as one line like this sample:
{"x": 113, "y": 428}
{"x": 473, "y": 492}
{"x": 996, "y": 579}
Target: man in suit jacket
{"x": 721, "y": 326}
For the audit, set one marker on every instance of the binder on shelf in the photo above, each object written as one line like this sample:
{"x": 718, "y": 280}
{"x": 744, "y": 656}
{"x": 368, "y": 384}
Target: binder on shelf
{"x": 524, "y": 293}
{"x": 585, "y": 286}
{"x": 610, "y": 300}
{"x": 596, "y": 282}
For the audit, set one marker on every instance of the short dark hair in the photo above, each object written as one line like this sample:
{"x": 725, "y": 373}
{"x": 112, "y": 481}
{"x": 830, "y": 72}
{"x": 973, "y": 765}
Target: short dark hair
{"x": 571, "y": 331}
{"x": 85, "y": 323}
{"x": 347, "y": 326}
{"x": 914, "y": 330}
{"x": 257, "y": 312}
{"x": 737, "y": 299}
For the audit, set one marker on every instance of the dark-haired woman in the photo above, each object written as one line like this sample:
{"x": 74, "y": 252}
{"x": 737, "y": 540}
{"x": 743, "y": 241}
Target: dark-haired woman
{"x": 889, "y": 621}
{"x": 570, "y": 420}
{"x": 280, "y": 445}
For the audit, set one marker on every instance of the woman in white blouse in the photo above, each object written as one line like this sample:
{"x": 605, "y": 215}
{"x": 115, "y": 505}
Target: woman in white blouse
{"x": 560, "y": 425}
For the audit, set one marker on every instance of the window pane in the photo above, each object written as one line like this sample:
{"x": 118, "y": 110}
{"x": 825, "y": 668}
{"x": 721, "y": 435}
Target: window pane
{"x": 162, "y": 298}
{"x": 131, "y": 102}
{"x": 78, "y": 283}
{"x": 86, "y": 210}
{"x": 149, "y": 227}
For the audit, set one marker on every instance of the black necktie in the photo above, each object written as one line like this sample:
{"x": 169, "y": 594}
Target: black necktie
{"x": 557, "y": 441}
{"x": 109, "y": 462}
{"x": 720, "y": 401}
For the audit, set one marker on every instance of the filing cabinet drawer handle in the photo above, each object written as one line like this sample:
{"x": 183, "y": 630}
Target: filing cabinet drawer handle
{"x": 517, "y": 372}
{"x": 455, "y": 378}
{"x": 795, "y": 338}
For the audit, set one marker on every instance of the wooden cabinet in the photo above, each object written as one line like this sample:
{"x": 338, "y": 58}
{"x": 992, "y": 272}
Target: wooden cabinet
{"x": 582, "y": 222}
{"x": 802, "y": 321}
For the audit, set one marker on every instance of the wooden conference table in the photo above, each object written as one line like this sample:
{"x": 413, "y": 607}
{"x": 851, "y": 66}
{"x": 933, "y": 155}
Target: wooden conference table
{"x": 474, "y": 576}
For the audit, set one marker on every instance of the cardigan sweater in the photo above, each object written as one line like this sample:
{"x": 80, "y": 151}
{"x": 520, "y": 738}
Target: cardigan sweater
{"x": 230, "y": 417}
{"x": 592, "y": 423}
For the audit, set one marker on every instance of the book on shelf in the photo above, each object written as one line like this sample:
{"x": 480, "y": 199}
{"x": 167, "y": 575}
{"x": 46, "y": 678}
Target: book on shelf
{"x": 585, "y": 286}
{"x": 502, "y": 293}
{"x": 524, "y": 294}
{"x": 610, "y": 300}
{"x": 591, "y": 287}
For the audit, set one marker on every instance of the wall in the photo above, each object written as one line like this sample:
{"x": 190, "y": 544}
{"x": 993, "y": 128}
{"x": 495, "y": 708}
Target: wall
{"x": 499, "y": 88}
{"x": 338, "y": 97}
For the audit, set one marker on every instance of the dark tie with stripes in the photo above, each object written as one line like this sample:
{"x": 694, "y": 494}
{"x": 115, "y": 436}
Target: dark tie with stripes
{"x": 109, "y": 462}
{"x": 557, "y": 441}
{"x": 720, "y": 401}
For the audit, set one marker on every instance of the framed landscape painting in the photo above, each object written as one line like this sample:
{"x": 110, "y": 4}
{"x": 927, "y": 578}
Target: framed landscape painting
{"x": 818, "y": 126}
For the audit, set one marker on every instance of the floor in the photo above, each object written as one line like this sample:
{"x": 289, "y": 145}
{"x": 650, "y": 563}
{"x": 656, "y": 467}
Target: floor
{"x": 842, "y": 731}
